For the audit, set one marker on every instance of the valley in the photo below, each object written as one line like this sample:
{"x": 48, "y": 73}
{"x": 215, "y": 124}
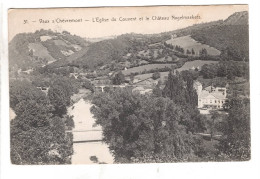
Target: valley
{"x": 175, "y": 96}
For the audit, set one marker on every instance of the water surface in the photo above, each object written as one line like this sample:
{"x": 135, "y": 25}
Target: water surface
{"x": 85, "y": 130}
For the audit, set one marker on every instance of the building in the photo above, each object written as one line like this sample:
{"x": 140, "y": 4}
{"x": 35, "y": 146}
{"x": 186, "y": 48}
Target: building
{"x": 210, "y": 97}
{"x": 43, "y": 89}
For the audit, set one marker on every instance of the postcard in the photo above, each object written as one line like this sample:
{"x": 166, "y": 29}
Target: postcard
{"x": 116, "y": 85}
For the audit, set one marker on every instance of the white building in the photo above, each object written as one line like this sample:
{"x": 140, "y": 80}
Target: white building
{"x": 210, "y": 97}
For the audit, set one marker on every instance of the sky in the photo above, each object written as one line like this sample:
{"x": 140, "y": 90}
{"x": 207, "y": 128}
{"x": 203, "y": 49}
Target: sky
{"x": 88, "y": 19}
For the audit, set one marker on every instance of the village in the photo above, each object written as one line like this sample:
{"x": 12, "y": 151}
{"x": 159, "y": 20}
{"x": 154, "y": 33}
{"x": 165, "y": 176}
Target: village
{"x": 209, "y": 98}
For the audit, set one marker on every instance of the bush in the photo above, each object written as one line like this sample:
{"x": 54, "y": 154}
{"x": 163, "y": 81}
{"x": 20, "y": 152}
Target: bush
{"x": 156, "y": 75}
{"x": 87, "y": 84}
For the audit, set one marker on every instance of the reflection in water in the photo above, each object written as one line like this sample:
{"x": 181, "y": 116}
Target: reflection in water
{"x": 83, "y": 152}
{"x": 84, "y": 130}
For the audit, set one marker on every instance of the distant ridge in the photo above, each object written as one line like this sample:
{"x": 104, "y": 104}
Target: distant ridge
{"x": 97, "y": 39}
{"x": 238, "y": 18}
{"x": 28, "y": 50}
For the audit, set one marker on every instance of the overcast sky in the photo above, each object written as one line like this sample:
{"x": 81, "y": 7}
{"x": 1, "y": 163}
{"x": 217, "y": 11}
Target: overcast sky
{"x": 90, "y": 29}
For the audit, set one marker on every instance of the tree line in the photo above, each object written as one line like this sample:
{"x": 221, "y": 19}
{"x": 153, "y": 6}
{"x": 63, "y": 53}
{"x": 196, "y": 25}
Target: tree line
{"x": 229, "y": 69}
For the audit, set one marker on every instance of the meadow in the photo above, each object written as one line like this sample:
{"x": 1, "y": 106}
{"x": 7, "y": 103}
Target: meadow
{"x": 148, "y": 67}
{"x": 186, "y": 66}
{"x": 40, "y": 51}
{"x": 189, "y": 43}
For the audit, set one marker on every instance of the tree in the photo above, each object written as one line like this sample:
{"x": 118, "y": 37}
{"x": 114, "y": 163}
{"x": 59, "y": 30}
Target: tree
{"x": 192, "y": 51}
{"x": 139, "y": 128}
{"x": 208, "y": 71}
{"x": 23, "y": 91}
{"x": 203, "y": 52}
{"x": 132, "y": 77}
{"x": 69, "y": 123}
{"x": 87, "y": 84}
{"x": 107, "y": 89}
{"x": 214, "y": 117}
{"x": 59, "y": 98}
{"x": 60, "y": 92}
{"x": 37, "y": 137}
{"x": 174, "y": 88}
{"x": 179, "y": 88}
{"x": 157, "y": 91}
{"x": 236, "y": 143}
{"x": 119, "y": 78}
{"x": 156, "y": 75}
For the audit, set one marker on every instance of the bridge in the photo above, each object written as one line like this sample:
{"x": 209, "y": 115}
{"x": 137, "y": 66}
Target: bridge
{"x": 101, "y": 88}
{"x": 85, "y": 136}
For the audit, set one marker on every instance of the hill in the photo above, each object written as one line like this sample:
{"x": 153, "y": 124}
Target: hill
{"x": 225, "y": 38}
{"x": 28, "y": 50}
{"x": 188, "y": 44}
{"x": 238, "y": 18}
{"x": 231, "y": 37}
{"x": 113, "y": 50}
{"x": 228, "y": 38}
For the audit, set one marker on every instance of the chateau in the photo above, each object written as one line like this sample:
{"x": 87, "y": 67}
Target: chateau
{"x": 210, "y": 97}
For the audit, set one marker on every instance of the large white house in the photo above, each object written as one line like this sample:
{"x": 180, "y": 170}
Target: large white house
{"x": 210, "y": 97}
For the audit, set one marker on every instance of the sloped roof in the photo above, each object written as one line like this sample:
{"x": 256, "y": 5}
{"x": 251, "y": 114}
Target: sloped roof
{"x": 209, "y": 88}
{"x": 197, "y": 83}
{"x": 217, "y": 95}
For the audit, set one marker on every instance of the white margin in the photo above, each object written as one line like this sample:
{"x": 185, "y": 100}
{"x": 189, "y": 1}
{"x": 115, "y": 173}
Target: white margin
{"x": 210, "y": 170}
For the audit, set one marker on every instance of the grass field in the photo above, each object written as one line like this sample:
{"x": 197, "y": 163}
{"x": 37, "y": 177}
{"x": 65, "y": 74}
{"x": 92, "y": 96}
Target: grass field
{"x": 165, "y": 59}
{"x": 195, "y": 64}
{"x": 148, "y": 67}
{"x": 40, "y": 51}
{"x": 187, "y": 42}
{"x": 60, "y": 42}
{"x": 186, "y": 66}
{"x": 77, "y": 55}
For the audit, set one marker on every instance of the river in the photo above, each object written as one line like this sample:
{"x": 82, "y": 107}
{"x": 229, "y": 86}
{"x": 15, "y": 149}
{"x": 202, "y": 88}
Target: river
{"x": 85, "y": 130}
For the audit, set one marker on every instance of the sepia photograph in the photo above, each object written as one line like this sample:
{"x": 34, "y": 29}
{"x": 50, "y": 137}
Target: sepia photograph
{"x": 128, "y": 85}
